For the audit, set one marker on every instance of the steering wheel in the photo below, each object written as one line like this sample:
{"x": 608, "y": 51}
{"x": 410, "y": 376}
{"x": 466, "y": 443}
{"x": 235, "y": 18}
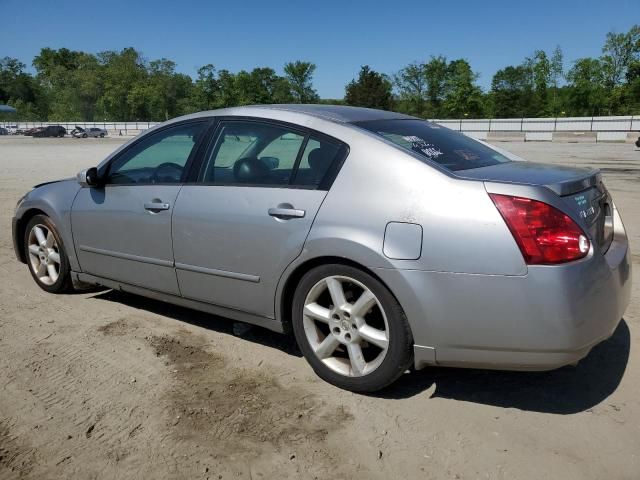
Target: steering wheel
{"x": 157, "y": 176}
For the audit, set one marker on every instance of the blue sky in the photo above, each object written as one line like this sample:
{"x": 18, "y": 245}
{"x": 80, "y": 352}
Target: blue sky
{"x": 338, "y": 36}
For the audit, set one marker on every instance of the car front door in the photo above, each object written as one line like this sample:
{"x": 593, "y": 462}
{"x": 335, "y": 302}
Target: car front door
{"x": 248, "y": 215}
{"x": 122, "y": 229}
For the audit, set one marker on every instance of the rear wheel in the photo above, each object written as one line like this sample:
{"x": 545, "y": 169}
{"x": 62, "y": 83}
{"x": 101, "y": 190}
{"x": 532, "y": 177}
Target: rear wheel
{"x": 46, "y": 256}
{"x": 84, "y": 135}
{"x": 102, "y": 135}
{"x": 351, "y": 329}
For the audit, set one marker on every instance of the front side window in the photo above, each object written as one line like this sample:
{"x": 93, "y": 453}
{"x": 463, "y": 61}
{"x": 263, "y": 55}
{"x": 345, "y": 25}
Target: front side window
{"x": 452, "y": 150}
{"x": 158, "y": 158}
{"x": 253, "y": 153}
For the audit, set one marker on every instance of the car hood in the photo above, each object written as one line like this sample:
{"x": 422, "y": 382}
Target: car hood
{"x": 560, "y": 179}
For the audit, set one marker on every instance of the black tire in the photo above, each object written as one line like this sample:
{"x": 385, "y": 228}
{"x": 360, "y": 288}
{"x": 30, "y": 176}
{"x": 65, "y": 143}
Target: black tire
{"x": 102, "y": 135}
{"x": 399, "y": 356}
{"x": 84, "y": 135}
{"x": 63, "y": 284}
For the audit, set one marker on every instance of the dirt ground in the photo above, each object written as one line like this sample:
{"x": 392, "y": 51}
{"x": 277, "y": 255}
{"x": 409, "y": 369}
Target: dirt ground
{"x": 108, "y": 385}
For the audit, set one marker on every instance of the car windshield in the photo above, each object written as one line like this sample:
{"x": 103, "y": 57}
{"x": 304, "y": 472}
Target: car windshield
{"x": 450, "y": 149}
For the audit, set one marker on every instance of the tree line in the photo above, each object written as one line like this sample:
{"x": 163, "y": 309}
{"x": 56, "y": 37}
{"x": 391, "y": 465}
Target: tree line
{"x": 124, "y": 86}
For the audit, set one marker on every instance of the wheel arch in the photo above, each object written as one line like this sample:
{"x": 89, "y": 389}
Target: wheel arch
{"x": 285, "y": 300}
{"x": 21, "y": 225}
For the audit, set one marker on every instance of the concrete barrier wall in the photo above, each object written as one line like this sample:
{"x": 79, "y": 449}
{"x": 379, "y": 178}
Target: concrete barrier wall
{"x": 604, "y": 129}
{"x": 574, "y": 137}
{"x": 506, "y": 136}
{"x": 135, "y": 127}
{"x": 545, "y": 125}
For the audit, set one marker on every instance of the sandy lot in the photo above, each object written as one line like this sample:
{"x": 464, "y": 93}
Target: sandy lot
{"x": 107, "y": 385}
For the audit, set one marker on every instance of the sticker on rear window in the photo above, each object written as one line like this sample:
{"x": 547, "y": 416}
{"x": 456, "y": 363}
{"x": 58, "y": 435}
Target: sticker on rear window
{"x": 427, "y": 149}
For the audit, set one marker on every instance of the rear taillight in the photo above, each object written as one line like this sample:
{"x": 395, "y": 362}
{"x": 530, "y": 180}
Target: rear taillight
{"x": 544, "y": 234}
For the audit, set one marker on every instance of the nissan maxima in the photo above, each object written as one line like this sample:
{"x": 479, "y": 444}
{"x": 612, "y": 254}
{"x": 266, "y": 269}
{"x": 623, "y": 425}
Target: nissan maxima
{"x": 381, "y": 241}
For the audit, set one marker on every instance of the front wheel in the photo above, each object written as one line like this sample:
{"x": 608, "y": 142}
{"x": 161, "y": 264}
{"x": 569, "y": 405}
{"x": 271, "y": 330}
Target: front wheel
{"x": 46, "y": 257}
{"x": 351, "y": 329}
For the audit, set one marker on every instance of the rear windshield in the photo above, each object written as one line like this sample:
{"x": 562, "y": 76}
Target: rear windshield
{"x": 452, "y": 150}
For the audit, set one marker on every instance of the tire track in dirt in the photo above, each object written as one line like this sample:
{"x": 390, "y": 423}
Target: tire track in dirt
{"x": 16, "y": 460}
{"x": 66, "y": 381}
{"x": 249, "y": 423}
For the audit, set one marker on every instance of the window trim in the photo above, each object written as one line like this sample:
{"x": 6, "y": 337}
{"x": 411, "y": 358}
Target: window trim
{"x": 216, "y": 128}
{"x": 206, "y": 121}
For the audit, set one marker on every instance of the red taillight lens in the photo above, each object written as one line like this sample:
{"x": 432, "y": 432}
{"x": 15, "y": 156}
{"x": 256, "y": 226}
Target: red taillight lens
{"x": 544, "y": 234}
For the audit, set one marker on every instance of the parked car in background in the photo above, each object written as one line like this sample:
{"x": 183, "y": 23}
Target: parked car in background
{"x": 30, "y": 131}
{"x": 4, "y": 131}
{"x": 12, "y": 129}
{"x": 80, "y": 132}
{"x": 381, "y": 241}
{"x": 51, "y": 131}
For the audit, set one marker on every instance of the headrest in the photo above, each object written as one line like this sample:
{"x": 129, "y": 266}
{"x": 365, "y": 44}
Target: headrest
{"x": 250, "y": 170}
{"x": 320, "y": 158}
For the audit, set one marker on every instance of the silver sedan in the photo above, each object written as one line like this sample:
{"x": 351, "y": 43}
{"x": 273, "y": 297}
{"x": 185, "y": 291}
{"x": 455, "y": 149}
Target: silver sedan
{"x": 94, "y": 132}
{"x": 381, "y": 241}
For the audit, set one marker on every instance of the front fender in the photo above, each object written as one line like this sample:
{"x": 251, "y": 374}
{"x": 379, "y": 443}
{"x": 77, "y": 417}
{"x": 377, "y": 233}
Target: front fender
{"x": 54, "y": 200}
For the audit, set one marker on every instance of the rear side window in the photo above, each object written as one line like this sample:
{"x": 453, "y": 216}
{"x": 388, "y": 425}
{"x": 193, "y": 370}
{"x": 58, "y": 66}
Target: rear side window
{"x": 452, "y": 150}
{"x": 252, "y": 153}
{"x": 318, "y": 156}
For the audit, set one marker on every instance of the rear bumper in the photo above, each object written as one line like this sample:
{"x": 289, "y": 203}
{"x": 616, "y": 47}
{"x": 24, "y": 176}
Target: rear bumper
{"x": 550, "y": 317}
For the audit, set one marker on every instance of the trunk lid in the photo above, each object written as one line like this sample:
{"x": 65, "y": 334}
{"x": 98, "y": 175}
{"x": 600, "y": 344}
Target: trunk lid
{"x": 581, "y": 189}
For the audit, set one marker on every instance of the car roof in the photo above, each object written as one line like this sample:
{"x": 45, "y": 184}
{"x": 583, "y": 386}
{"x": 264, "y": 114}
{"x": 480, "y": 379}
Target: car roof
{"x": 337, "y": 113}
{"x": 333, "y": 113}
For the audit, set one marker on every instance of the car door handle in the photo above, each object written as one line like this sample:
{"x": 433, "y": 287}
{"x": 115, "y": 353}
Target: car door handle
{"x": 286, "y": 213}
{"x": 156, "y": 206}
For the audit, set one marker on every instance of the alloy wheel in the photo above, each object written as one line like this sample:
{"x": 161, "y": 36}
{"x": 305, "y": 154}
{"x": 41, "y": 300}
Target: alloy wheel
{"x": 346, "y": 326}
{"x": 44, "y": 254}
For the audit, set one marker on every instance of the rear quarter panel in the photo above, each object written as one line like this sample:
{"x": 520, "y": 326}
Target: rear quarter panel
{"x": 462, "y": 230}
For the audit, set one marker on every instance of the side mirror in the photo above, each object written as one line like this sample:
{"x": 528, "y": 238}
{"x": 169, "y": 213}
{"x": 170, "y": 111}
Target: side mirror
{"x": 88, "y": 177}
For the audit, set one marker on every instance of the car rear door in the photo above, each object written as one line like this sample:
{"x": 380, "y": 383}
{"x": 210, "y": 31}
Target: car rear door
{"x": 248, "y": 214}
{"x": 122, "y": 230}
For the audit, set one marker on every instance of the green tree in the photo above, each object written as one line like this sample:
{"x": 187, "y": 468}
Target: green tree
{"x": 205, "y": 94}
{"x": 540, "y": 71}
{"x": 371, "y": 89}
{"x": 300, "y": 77}
{"x": 630, "y": 93}
{"x": 261, "y": 86}
{"x": 124, "y": 77}
{"x": 20, "y": 90}
{"x": 72, "y": 81}
{"x": 587, "y": 81}
{"x": 620, "y": 50}
{"x": 411, "y": 83}
{"x": 435, "y": 73}
{"x": 165, "y": 89}
{"x": 511, "y": 93}
{"x": 462, "y": 97}
{"x": 557, "y": 74}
